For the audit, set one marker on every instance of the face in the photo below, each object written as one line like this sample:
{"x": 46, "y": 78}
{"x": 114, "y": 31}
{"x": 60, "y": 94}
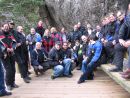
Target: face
{"x": 62, "y": 30}
{"x": 77, "y": 44}
{"x": 6, "y": 27}
{"x": 84, "y": 39}
{"x": 32, "y": 31}
{"x": 75, "y": 28}
{"x": 79, "y": 24}
{"x": 98, "y": 28}
{"x": 65, "y": 46}
{"x": 57, "y": 47}
{"x": 20, "y": 29}
{"x": 40, "y": 23}
{"x": 47, "y": 32}
{"x": 11, "y": 25}
{"x": 38, "y": 45}
{"x": 88, "y": 26}
{"x": 112, "y": 18}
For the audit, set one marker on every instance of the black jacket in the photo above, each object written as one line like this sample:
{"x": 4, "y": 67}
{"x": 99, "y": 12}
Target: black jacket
{"x": 66, "y": 53}
{"x": 37, "y": 57}
{"x": 124, "y": 32}
{"x": 55, "y": 56}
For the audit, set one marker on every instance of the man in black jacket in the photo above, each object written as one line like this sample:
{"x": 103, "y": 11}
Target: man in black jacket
{"x": 3, "y": 91}
{"x": 67, "y": 60}
{"x": 9, "y": 43}
{"x": 55, "y": 56}
{"x": 20, "y": 55}
{"x": 75, "y": 35}
{"x": 124, "y": 43}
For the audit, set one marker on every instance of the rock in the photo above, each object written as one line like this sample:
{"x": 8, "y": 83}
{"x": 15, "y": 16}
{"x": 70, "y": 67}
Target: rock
{"x": 68, "y": 12}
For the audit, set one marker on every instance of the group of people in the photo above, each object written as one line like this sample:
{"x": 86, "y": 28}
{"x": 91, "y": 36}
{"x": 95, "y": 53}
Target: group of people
{"x": 84, "y": 47}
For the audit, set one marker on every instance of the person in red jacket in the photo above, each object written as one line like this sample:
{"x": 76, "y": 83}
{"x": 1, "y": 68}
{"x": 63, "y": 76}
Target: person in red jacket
{"x": 47, "y": 41}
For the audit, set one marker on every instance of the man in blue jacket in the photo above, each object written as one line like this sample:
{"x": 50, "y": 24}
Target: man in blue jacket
{"x": 91, "y": 60}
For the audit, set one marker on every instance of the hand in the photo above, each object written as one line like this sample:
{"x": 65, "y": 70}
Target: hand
{"x": 27, "y": 42}
{"x": 84, "y": 56}
{"x": 18, "y": 44}
{"x": 122, "y": 42}
{"x": 114, "y": 42}
{"x": 10, "y": 50}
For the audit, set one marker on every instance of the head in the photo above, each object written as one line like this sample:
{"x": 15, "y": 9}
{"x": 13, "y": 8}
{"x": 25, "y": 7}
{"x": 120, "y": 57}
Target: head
{"x": 53, "y": 30}
{"x": 89, "y": 26}
{"x": 47, "y": 32}
{"x": 120, "y": 15}
{"x": 98, "y": 28}
{"x": 112, "y": 17}
{"x": 38, "y": 45}
{"x": 20, "y": 29}
{"x": 79, "y": 24}
{"x": 77, "y": 43}
{"x": 103, "y": 21}
{"x": 63, "y": 30}
{"x": 40, "y": 23}
{"x": 107, "y": 21}
{"x": 57, "y": 45}
{"x": 65, "y": 45}
{"x": 93, "y": 38}
{"x": 5, "y": 27}
{"x": 84, "y": 38}
{"x": 11, "y": 24}
{"x": 75, "y": 27}
{"x": 32, "y": 30}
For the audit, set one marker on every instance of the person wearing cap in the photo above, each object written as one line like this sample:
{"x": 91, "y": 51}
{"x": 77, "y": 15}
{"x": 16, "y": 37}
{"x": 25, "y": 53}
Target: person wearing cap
{"x": 8, "y": 60}
{"x": 55, "y": 56}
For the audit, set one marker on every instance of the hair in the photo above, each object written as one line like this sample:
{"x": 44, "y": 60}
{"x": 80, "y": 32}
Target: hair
{"x": 93, "y": 37}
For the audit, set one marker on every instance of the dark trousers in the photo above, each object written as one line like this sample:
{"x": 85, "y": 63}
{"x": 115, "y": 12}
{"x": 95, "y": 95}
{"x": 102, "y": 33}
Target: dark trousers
{"x": 109, "y": 50}
{"x": 21, "y": 65}
{"x": 119, "y": 55}
{"x": 9, "y": 65}
{"x": 2, "y": 82}
{"x": 88, "y": 74}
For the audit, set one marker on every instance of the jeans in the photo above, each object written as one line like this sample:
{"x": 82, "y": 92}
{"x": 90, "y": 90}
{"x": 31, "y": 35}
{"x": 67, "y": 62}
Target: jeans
{"x": 2, "y": 82}
{"x": 58, "y": 70}
{"x": 67, "y": 66}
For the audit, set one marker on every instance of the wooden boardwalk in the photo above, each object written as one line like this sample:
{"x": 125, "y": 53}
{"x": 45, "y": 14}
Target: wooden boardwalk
{"x": 43, "y": 87}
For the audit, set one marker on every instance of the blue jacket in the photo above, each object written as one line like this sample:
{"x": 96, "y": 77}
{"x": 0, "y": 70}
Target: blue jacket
{"x": 96, "y": 48}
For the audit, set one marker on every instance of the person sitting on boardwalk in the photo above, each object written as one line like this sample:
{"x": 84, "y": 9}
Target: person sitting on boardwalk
{"x": 67, "y": 59}
{"x": 92, "y": 59}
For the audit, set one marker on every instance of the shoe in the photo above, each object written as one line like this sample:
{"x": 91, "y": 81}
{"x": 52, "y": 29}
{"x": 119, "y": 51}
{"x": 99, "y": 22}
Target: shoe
{"x": 81, "y": 79}
{"x": 29, "y": 73}
{"x": 26, "y": 80}
{"x": 5, "y": 93}
{"x": 125, "y": 72}
{"x": 126, "y": 76}
{"x": 9, "y": 87}
{"x": 69, "y": 76}
{"x": 78, "y": 68}
{"x": 29, "y": 78}
{"x": 115, "y": 70}
{"x": 53, "y": 77}
{"x": 14, "y": 86}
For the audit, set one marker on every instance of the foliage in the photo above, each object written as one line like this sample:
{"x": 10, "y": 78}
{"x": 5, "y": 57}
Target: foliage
{"x": 22, "y": 12}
